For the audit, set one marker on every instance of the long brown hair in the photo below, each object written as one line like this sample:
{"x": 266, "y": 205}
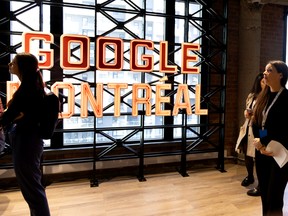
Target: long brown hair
{"x": 264, "y": 95}
{"x": 29, "y": 71}
{"x": 257, "y": 88}
{"x": 31, "y": 77}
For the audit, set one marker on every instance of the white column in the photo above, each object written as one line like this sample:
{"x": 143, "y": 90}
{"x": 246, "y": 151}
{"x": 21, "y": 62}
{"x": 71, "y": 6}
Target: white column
{"x": 249, "y": 51}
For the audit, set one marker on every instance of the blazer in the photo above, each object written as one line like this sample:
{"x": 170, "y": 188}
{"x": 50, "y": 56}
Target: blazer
{"x": 246, "y": 128}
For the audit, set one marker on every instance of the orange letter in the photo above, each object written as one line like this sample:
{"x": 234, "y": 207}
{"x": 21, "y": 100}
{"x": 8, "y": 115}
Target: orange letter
{"x": 144, "y": 100}
{"x": 71, "y": 97}
{"x": 101, "y": 56}
{"x": 148, "y": 59}
{"x": 182, "y": 90}
{"x": 186, "y": 58}
{"x": 117, "y": 96}
{"x": 163, "y": 62}
{"x": 11, "y": 89}
{"x": 160, "y": 100}
{"x": 198, "y": 110}
{"x": 86, "y": 94}
{"x": 47, "y": 63}
{"x": 70, "y": 42}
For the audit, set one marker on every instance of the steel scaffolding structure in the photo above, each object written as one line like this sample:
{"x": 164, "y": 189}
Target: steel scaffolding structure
{"x": 207, "y": 135}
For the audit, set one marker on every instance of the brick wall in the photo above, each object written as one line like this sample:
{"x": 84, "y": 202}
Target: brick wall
{"x": 231, "y": 118}
{"x": 272, "y": 34}
{"x": 272, "y": 46}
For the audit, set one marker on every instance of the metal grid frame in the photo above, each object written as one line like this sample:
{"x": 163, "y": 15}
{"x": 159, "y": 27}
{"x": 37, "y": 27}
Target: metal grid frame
{"x": 210, "y": 133}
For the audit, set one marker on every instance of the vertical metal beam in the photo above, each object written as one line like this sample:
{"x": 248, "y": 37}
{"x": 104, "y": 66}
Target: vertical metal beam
{"x": 170, "y": 37}
{"x": 142, "y": 123}
{"x": 5, "y": 49}
{"x": 183, "y": 168}
{"x": 56, "y": 28}
{"x": 220, "y": 165}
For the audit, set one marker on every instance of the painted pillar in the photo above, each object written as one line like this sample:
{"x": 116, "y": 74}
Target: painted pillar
{"x": 249, "y": 51}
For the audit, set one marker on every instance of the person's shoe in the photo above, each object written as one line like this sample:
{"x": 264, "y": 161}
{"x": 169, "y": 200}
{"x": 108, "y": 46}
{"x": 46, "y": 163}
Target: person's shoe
{"x": 247, "y": 181}
{"x": 254, "y": 192}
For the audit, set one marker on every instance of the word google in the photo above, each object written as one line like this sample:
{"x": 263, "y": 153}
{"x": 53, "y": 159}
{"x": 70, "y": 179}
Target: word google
{"x": 182, "y": 100}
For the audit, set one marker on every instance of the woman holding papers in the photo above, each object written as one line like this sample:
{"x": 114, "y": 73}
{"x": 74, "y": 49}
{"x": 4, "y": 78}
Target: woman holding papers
{"x": 270, "y": 126}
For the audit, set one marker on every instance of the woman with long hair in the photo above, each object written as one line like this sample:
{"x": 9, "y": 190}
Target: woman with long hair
{"x": 245, "y": 140}
{"x": 270, "y": 123}
{"x": 22, "y": 116}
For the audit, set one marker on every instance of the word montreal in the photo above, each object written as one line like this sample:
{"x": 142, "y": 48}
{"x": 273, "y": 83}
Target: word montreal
{"x": 67, "y": 41}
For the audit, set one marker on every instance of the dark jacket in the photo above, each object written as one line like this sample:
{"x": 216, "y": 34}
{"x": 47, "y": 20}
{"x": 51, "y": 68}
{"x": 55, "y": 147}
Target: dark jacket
{"x": 24, "y": 108}
{"x": 277, "y": 120}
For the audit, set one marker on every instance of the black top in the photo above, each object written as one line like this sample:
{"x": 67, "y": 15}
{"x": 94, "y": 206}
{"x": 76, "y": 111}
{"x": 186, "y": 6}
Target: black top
{"x": 277, "y": 120}
{"x": 26, "y": 100}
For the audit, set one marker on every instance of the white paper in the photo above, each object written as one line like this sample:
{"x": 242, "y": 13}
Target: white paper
{"x": 280, "y": 153}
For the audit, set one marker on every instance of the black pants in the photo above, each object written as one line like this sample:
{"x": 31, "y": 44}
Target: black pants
{"x": 272, "y": 182}
{"x": 27, "y": 149}
{"x": 249, "y": 163}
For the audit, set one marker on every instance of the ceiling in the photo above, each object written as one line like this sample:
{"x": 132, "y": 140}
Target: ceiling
{"x": 280, "y": 2}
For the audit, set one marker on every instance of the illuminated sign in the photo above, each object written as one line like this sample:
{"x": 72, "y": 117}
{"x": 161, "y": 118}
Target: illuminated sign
{"x": 182, "y": 100}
